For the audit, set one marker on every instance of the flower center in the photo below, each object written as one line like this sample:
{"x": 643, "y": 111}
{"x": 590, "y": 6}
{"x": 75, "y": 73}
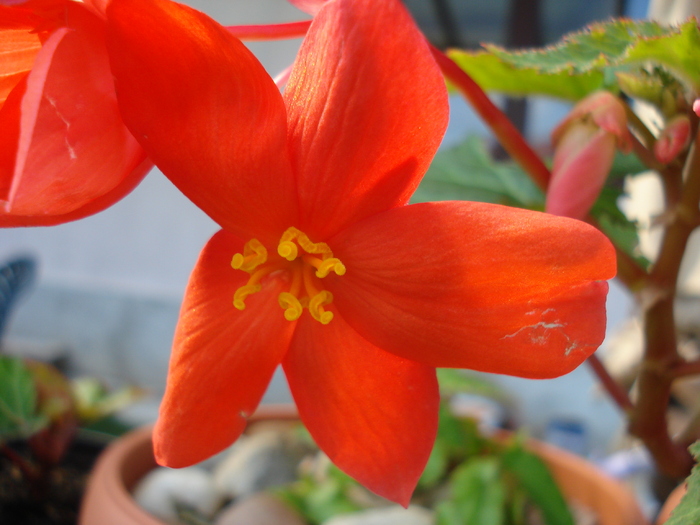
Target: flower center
{"x": 306, "y": 263}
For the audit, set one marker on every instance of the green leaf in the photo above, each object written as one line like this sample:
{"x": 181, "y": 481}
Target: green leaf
{"x": 493, "y": 73}
{"x": 436, "y": 467}
{"x": 648, "y": 56}
{"x": 688, "y": 510}
{"x": 534, "y": 477}
{"x": 676, "y": 51}
{"x": 18, "y": 401}
{"x": 319, "y": 498}
{"x": 453, "y": 381}
{"x": 467, "y": 172}
{"x": 477, "y": 495}
{"x": 599, "y": 45}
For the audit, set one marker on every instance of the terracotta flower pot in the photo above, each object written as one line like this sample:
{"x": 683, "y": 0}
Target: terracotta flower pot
{"x": 108, "y": 499}
{"x": 671, "y": 503}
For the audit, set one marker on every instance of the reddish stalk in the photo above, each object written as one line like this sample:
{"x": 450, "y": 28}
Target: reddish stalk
{"x": 507, "y": 134}
{"x": 616, "y": 392}
{"x": 661, "y": 359}
{"x": 271, "y": 31}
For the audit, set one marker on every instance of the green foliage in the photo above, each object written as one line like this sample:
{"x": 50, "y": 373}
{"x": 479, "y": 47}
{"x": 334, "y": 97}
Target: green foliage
{"x": 320, "y": 496}
{"x": 478, "y": 495}
{"x": 539, "y": 485}
{"x": 19, "y": 415}
{"x": 494, "y": 73}
{"x": 453, "y": 381}
{"x": 688, "y": 510}
{"x": 467, "y": 172}
{"x": 585, "y": 61}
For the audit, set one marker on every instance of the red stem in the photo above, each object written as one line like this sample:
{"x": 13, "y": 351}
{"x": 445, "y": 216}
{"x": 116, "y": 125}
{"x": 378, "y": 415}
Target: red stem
{"x": 506, "y": 133}
{"x": 271, "y": 31}
{"x": 611, "y": 386}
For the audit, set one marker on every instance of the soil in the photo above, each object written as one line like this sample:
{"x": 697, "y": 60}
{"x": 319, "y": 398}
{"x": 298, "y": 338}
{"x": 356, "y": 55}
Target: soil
{"x": 56, "y": 501}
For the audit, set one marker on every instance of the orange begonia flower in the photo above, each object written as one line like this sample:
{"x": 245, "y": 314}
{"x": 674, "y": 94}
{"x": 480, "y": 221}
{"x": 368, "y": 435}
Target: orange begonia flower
{"x": 330, "y": 273}
{"x": 64, "y": 150}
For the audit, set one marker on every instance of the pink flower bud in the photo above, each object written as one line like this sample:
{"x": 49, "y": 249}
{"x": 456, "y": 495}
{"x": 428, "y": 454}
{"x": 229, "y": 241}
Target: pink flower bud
{"x": 308, "y": 6}
{"x": 585, "y": 143}
{"x": 696, "y": 106}
{"x": 673, "y": 139}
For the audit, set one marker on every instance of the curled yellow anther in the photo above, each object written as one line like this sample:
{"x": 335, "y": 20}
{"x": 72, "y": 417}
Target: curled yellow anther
{"x": 288, "y": 250}
{"x": 292, "y": 306}
{"x": 254, "y": 254}
{"x": 243, "y": 292}
{"x": 329, "y": 265}
{"x": 316, "y": 304}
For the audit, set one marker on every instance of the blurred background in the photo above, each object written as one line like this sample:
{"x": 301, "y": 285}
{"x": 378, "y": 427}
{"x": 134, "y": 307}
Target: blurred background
{"x": 108, "y": 289}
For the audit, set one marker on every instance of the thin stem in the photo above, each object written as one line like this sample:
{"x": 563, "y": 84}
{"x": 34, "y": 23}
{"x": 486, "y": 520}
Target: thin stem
{"x": 616, "y": 392}
{"x": 30, "y": 471}
{"x": 638, "y": 127}
{"x": 506, "y": 133}
{"x": 687, "y": 368}
{"x": 648, "y": 420}
{"x": 271, "y": 31}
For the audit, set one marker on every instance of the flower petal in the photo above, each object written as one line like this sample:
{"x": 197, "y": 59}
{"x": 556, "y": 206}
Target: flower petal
{"x": 222, "y": 358}
{"x": 10, "y": 114}
{"x": 373, "y": 413}
{"x": 473, "y": 285}
{"x": 206, "y": 112}
{"x": 73, "y": 147}
{"x": 89, "y": 208}
{"x": 366, "y": 113}
{"x": 18, "y": 48}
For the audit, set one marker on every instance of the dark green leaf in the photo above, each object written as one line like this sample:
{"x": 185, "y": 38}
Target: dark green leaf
{"x": 467, "y": 172}
{"x": 534, "y": 477}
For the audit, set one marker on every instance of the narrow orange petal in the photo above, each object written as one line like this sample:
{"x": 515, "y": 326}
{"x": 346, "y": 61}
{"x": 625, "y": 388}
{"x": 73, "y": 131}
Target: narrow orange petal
{"x": 374, "y": 414}
{"x": 206, "y": 112}
{"x": 73, "y": 147}
{"x": 472, "y": 285}
{"x": 222, "y": 358}
{"x": 366, "y": 113}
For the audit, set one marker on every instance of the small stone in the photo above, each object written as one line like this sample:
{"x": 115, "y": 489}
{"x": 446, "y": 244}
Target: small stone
{"x": 162, "y": 490}
{"x": 393, "y": 515}
{"x": 263, "y": 460}
{"x": 259, "y": 509}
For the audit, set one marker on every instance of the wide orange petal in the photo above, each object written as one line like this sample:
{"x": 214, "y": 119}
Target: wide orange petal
{"x": 73, "y": 147}
{"x": 374, "y": 414}
{"x": 206, "y": 112}
{"x": 89, "y": 208}
{"x": 222, "y": 358}
{"x": 10, "y": 115}
{"x": 473, "y": 285}
{"x": 18, "y": 48}
{"x": 366, "y": 113}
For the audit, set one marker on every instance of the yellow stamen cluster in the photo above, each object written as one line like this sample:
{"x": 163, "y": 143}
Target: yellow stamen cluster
{"x": 305, "y": 261}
